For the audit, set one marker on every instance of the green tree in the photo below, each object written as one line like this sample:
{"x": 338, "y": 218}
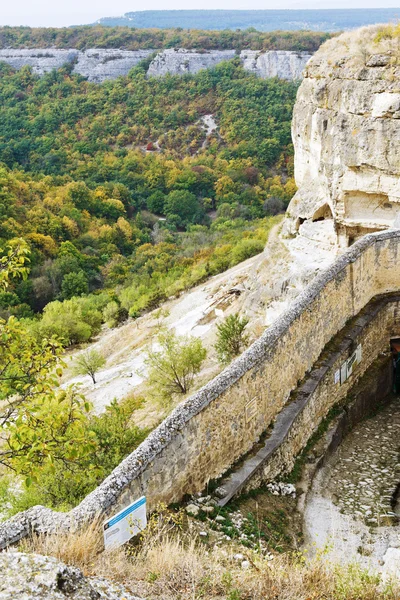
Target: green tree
{"x": 173, "y": 367}
{"x": 231, "y": 338}
{"x": 184, "y": 204}
{"x": 38, "y": 425}
{"x": 88, "y": 363}
{"x": 74, "y": 284}
{"x": 13, "y": 262}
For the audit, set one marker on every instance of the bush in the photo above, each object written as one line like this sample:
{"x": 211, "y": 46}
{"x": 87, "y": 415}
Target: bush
{"x": 246, "y": 249}
{"x": 113, "y": 436}
{"x": 231, "y": 338}
{"x": 73, "y": 321}
{"x": 172, "y": 369}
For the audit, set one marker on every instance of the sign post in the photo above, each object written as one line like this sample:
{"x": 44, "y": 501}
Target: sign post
{"x": 120, "y": 528}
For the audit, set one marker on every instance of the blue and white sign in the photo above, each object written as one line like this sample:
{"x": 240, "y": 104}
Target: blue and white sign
{"x": 120, "y": 528}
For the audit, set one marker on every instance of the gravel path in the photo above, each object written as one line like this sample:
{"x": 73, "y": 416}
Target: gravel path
{"x": 349, "y": 508}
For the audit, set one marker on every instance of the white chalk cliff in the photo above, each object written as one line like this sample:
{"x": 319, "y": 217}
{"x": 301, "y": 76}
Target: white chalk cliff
{"x": 101, "y": 64}
{"x": 346, "y": 134}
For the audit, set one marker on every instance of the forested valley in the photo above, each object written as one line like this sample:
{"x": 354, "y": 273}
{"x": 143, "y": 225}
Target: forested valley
{"x": 123, "y": 198}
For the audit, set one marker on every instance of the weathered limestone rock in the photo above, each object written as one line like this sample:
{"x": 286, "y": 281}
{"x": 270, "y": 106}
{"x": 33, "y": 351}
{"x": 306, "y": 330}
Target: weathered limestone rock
{"x": 182, "y": 61}
{"x": 101, "y": 64}
{"x": 346, "y": 133}
{"x": 41, "y": 60}
{"x": 275, "y": 63}
{"x": 96, "y": 64}
{"x": 28, "y": 576}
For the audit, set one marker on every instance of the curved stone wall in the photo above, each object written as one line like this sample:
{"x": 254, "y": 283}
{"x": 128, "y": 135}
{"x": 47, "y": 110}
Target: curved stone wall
{"x": 209, "y": 431}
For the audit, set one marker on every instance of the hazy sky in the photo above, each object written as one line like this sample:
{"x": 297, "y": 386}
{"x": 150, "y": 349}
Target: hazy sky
{"x": 72, "y": 12}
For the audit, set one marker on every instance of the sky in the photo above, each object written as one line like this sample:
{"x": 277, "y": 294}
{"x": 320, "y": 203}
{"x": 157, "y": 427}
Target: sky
{"x": 58, "y": 13}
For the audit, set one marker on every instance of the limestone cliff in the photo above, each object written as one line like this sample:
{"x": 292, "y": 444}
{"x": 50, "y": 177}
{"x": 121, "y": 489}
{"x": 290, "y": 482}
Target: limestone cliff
{"x": 96, "y": 64}
{"x": 275, "y": 63}
{"x": 181, "y": 61}
{"x": 346, "y": 133}
{"x": 101, "y": 64}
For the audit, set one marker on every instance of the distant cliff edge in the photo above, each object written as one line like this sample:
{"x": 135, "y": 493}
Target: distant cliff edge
{"x": 99, "y": 65}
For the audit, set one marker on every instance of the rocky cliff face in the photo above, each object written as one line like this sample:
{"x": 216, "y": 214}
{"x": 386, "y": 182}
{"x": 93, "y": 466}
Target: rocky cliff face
{"x": 275, "y": 63}
{"x": 346, "y": 133}
{"x": 99, "y": 65}
{"x": 95, "y": 64}
{"x": 181, "y": 61}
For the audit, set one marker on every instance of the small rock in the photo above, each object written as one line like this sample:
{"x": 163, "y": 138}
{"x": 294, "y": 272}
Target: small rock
{"x": 245, "y": 564}
{"x": 220, "y": 492}
{"x": 193, "y": 510}
{"x": 220, "y": 519}
{"x": 203, "y": 533}
{"x": 207, "y": 509}
{"x": 238, "y": 556}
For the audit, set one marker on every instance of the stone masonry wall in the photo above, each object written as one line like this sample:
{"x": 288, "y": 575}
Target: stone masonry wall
{"x": 209, "y": 431}
{"x": 314, "y": 398}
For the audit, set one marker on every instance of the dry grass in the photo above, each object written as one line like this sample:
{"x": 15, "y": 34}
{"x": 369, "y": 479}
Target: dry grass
{"x": 172, "y": 564}
{"x": 80, "y": 548}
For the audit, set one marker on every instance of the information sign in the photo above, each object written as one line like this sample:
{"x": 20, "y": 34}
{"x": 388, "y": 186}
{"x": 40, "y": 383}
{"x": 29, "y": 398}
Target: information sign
{"x": 120, "y": 528}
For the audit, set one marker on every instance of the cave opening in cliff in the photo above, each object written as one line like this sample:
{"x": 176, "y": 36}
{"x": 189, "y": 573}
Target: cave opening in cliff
{"x": 322, "y": 213}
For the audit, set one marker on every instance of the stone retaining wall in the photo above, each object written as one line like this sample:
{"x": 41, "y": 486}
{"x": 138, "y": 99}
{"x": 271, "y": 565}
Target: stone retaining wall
{"x": 312, "y": 401}
{"x": 209, "y": 431}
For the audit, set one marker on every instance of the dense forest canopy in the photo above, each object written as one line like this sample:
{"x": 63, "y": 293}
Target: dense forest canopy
{"x": 128, "y": 38}
{"x": 123, "y": 195}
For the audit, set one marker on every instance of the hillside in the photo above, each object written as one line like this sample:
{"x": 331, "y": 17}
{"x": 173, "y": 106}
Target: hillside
{"x": 262, "y": 20}
{"x": 126, "y": 186}
{"x": 181, "y": 363}
{"x": 153, "y": 37}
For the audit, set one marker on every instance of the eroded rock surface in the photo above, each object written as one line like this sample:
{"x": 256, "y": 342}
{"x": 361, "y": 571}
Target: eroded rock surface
{"x": 96, "y": 64}
{"x": 346, "y": 133}
{"x": 275, "y": 63}
{"x": 31, "y": 576}
{"x": 181, "y": 61}
{"x": 102, "y": 64}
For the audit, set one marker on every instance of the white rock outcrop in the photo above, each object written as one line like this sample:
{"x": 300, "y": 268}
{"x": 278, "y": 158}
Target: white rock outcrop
{"x": 35, "y": 577}
{"x": 275, "y": 63}
{"x": 96, "y": 64}
{"x": 102, "y": 64}
{"x": 182, "y": 61}
{"x": 346, "y": 133}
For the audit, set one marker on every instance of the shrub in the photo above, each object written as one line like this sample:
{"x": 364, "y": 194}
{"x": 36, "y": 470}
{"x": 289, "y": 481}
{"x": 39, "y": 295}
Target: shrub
{"x": 172, "y": 369}
{"x": 113, "y": 436}
{"x": 231, "y": 338}
{"x": 74, "y": 321}
{"x": 88, "y": 363}
{"x": 246, "y": 249}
